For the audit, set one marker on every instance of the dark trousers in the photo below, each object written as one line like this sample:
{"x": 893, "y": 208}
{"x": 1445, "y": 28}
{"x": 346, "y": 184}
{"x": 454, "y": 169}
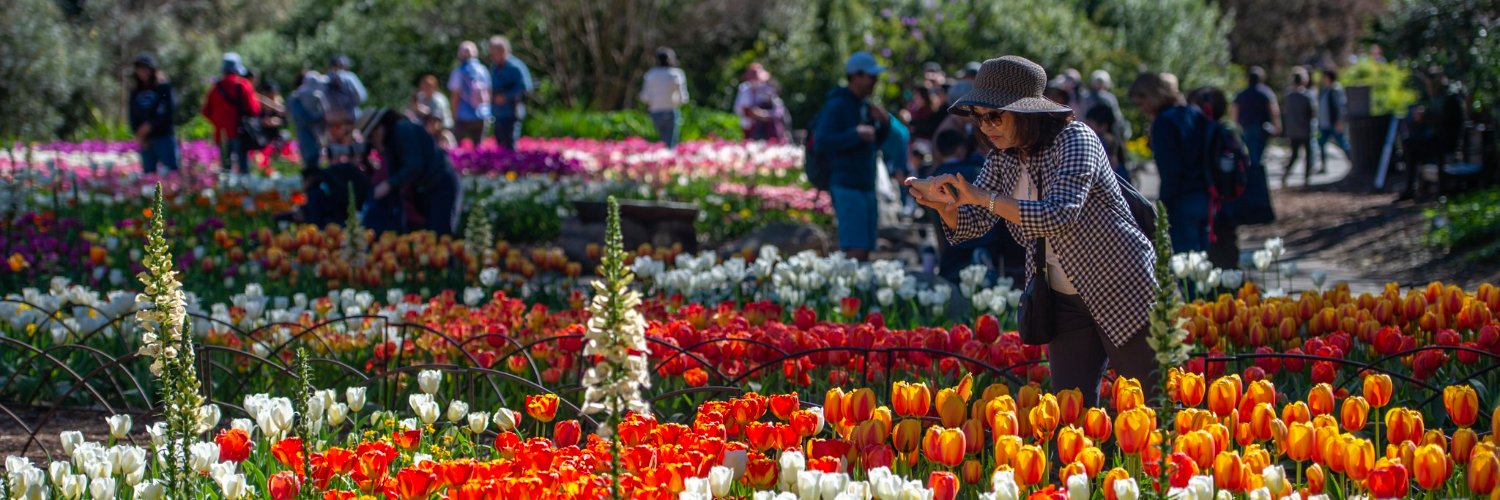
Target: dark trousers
{"x": 441, "y": 202}
{"x": 1079, "y": 352}
{"x": 471, "y": 130}
{"x": 1224, "y": 251}
{"x": 507, "y": 131}
{"x": 1298, "y": 146}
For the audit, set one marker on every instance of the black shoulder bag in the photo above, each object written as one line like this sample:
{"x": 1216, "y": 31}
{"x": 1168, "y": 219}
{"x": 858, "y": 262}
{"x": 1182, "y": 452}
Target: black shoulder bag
{"x": 1034, "y": 315}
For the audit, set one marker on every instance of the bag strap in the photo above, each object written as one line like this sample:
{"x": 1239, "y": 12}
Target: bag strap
{"x": 238, "y": 106}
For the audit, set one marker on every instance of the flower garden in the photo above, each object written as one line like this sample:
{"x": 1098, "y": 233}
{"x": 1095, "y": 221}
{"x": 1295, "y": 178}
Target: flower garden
{"x": 229, "y": 356}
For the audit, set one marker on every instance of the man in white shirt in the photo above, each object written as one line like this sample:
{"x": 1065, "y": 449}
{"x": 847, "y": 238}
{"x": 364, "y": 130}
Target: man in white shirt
{"x": 664, "y": 91}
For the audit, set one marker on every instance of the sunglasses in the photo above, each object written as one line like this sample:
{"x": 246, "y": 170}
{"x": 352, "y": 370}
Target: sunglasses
{"x": 992, "y": 116}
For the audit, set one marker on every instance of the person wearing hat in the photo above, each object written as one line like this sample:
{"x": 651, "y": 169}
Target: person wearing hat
{"x": 848, "y": 133}
{"x": 1048, "y": 179}
{"x": 410, "y": 158}
{"x": 229, "y": 101}
{"x": 152, "y": 107}
{"x": 345, "y": 90}
{"x": 664, "y": 90}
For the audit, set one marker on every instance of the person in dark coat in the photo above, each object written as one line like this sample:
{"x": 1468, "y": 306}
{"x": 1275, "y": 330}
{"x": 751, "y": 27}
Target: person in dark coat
{"x": 152, "y": 106}
{"x": 410, "y": 157}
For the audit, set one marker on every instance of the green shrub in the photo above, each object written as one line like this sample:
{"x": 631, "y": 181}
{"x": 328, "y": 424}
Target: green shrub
{"x": 698, "y": 123}
{"x": 1389, "y": 90}
{"x": 1468, "y": 223}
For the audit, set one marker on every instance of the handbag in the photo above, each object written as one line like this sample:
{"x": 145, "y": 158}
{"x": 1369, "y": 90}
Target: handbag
{"x": 1034, "y": 320}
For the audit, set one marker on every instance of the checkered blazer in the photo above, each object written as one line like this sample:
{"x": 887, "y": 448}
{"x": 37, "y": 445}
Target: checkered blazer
{"x": 1085, "y": 219}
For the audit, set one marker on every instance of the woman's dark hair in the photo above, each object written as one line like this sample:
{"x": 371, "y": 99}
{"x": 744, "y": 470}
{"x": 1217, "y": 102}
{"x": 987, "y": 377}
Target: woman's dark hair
{"x": 928, "y": 96}
{"x": 1102, "y": 115}
{"x": 151, "y": 81}
{"x": 1035, "y": 132}
{"x": 1211, "y": 100}
{"x": 666, "y": 57}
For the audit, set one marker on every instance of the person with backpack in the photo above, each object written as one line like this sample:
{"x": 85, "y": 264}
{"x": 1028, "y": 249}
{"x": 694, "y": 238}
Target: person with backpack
{"x": 234, "y": 111}
{"x": 152, "y": 106}
{"x": 848, "y": 134}
{"x": 1177, "y": 145}
{"x": 511, "y": 81}
{"x": 1089, "y": 286}
{"x": 308, "y": 107}
{"x": 345, "y": 91}
{"x": 469, "y": 84}
{"x": 1250, "y": 208}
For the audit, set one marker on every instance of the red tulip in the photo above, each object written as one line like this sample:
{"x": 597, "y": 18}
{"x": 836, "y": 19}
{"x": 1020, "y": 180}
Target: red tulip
{"x": 234, "y": 445}
{"x": 283, "y": 485}
{"x": 944, "y": 485}
{"x": 289, "y": 453}
{"x": 1389, "y": 481}
{"x": 566, "y": 433}
{"x": 413, "y": 484}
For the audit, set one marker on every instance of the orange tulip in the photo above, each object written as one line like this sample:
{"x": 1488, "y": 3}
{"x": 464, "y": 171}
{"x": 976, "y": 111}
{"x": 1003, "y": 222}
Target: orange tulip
{"x": 944, "y": 485}
{"x": 1389, "y": 481}
{"x": 1028, "y": 396}
{"x": 1070, "y": 405}
{"x": 911, "y": 400}
{"x": 1405, "y": 452}
{"x": 1431, "y": 467}
{"x": 1006, "y": 449}
{"x": 1301, "y": 440}
{"x": 1377, "y": 389}
{"x": 1495, "y": 421}
{"x": 1128, "y": 394}
{"x": 806, "y": 423}
{"x": 1070, "y": 442}
{"x": 1224, "y": 395}
{"x": 1004, "y": 424}
{"x": 859, "y": 406}
{"x": 1462, "y": 404}
{"x": 1359, "y": 458}
{"x": 1322, "y": 421}
{"x": 1320, "y": 399}
{"x": 1260, "y": 420}
{"x": 1330, "y": 448}
{"x": 1463, "y": 444}
{"x": 1354, "y": 414}
{"x": 783, "y": 405}
{"x": 950, "y": 407}
{"x": 542, "y": 407}
{"x": 907, "y": 435}
{"x": 1044, "y": 417}
{"x": 1191, "y": 389}
{"x": 1198, "y": 445}
{"x": 944, "y": 446}
{"x": 1031, "y": 466}
{"x": 1070, "y": 470}
{"x": 994, "y": 391}
{"x": 760, "y": 474}
{"x": 1228, "y": 471}
{"x": 871, "y": 432}
{"x": 1133, "y": 429}
{"x": 833, "y": 405}
{"x": 1434, "y": 436}
{"x": 1108, "y": 485}
{"x": 1316, "y": 479}
{"x": 974, "y": 436}
{"x": 1092, "y": 459}
{"x": 1484, "y": 473}
{"x": 1296, "y": 412}
{"x": 1096, "y": 425}
{"x": 972, "y": 471}
{"x": 1403, "y": 424}
{"x": 999, "y": 404}
{"x": 1257, "y": 392}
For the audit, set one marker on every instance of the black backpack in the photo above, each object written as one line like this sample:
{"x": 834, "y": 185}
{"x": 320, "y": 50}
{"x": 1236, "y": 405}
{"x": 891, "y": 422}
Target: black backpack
{"x": 814, "y": 166}
{"x": 1225, "y": 159}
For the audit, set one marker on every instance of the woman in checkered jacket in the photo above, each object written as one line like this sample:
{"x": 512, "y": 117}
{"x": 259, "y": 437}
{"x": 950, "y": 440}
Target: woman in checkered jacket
{"x": 1048, "y": 177}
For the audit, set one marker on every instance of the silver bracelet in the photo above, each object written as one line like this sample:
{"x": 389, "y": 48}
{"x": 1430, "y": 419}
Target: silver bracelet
{"x": 992, "y": 202}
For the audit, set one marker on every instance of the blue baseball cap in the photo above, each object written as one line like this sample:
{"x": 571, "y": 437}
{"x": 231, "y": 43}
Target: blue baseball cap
{"x": 862, "y": 62}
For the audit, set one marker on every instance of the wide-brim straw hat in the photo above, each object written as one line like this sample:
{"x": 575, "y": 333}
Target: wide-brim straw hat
{"x": 1009, "y": 83}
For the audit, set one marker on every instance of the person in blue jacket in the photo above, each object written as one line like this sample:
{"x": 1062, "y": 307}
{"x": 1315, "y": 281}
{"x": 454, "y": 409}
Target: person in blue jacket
{"x": 410, "y": 157}
{"x": 509, "y": 84}
{"x": 1178, "y": 150}
{"x": 850, "y": 131}
{"x": 152, "y": 106}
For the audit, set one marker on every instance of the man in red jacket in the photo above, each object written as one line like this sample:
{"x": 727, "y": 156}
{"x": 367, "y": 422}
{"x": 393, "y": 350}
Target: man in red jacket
{"x": 231, "y": 98}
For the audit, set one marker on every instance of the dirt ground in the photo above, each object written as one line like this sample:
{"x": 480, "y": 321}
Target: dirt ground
{"x": 14, "y": 437}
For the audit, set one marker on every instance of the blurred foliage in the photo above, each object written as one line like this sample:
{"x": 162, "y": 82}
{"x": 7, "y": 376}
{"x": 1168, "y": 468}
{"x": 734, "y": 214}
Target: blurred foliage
{"x": 41, "y": 67}
{"x": 1467, "y": 223}
{"x": 1390, "y": 85}
{"x": 697, "y": 123}
{"x": 1457, "y": 36}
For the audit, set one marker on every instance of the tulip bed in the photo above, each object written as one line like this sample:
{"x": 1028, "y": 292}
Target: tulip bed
{"x": 331, "y": 363}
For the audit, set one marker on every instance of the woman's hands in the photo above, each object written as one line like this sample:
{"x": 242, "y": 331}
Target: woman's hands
{"x": 943, "y": 193}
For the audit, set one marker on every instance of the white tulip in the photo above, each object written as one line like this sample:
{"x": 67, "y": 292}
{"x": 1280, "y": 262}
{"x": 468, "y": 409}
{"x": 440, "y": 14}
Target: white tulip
{"x": 102, "y": 488}
{"x": 478, "y": 421}
{"x": 131, "y": 462}
{"x": 694, "y": 487}
{"x": 56, "y": 471}
{"x": 337, "y": 413}
{"x": 1260, "y": 494}
{"x": 1126, "y": 489}
{"x": 506, "y": 420}
{"x": 1078, "y": 487}
{"x": 356, "y": 398}
{"x": 70, "y": 439}
{"x": 119, "y": 425}
{"x": 857, "y": 490}
{"x": 201, "y": 455}
{"x": 208, "y": 417}
{"x": 428, "y": 412}
{"x": 1274, "y": 477}
{"x": 74, "y": 485}
{"x": 830, "y": 485}
{"x": 1003, "y": 483}
{"x": 234, "y": 486}
{"x": 418, "y": 399}
{"x": 736, "y": 460}
{"x": 720, "y": 480}
{"x": 792, "y": 463}
{"x": 150, "y": 490}
{"x": 808, "y": 486}
{"x": 456, "y": 410}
